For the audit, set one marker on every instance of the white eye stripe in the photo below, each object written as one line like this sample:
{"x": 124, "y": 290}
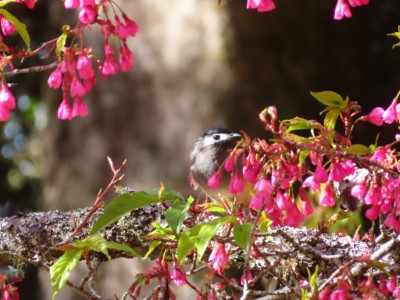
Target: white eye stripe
{"x": 215, "y": 138}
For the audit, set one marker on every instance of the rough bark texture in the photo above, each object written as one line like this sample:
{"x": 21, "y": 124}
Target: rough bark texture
{"x": 285, "y": 253}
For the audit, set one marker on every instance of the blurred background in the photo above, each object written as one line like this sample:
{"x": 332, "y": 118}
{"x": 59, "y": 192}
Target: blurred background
{"x": 198, "y": 65}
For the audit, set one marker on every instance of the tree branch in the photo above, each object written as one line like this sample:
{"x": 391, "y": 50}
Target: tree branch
{"x": 291, "y": 251}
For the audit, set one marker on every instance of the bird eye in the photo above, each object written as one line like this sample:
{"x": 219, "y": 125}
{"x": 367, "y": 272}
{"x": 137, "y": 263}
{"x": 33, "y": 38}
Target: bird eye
{"x": 216, "y": 137}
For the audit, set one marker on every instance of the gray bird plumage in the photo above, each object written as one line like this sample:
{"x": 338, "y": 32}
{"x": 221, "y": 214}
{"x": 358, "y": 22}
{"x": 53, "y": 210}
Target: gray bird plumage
{"x": 208, "y": 155}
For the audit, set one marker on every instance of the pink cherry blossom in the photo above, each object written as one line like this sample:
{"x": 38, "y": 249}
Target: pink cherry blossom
{"x": 219, "y": 258}
{"x": 7, "y": 99}
{"x": 108, "y": 49}
{"x": 257, "y": 202}
{"x": 6, "y": 26}
{"x": 79, "y": 108}
{"x": 311, "y": 183}
{"x": 4, "y": 113}
{"x": 315, "y": 158}
{"x": 375, "y": 116}
{"x": 230, "y": 163}
{"x": 88, "y": 2}
{"x": 131, "y": 25}
{"x": 326, "y": 197}
{"x": 390, "y": 114}
{"x": 340, "y": 169}
{"x": 342, "y": 9}
{"x": 88, "y": 14}
{"x": 261, "y": 5}
{"x": 71, "y": 4}
{"x": 252, "y": 167}
{"x": 305, "y": 202}
{"x": 358, "y": 190}
{"x": 236, "y": 184}
{"x": 55, "y": 78}
{"x": 382, "y": 155}
{"x": 178, "y": 274}
{"x": 121, "y": 29}
{"x": 109, "y": 67}
{"x": 250, "y": 173}
{"x": 320, "y": 175}
{"x": 339, "y": 295}
{"x": 373, "y": 195}
{"x": 30, "y": 3}
{"x": 391, "y": 220}
{"x": 391, "y": 283}
{"x": 77, "y": 88}
{"x": 249, "y": 277}
{"x": 89, "y": 83}
{"x": 215, "y": 180}
{"x": 386, "y": 205}
{"x": 126, "y": 58}
{"x": 383, "y": 288}
{"x": 64, "y": 110}
{"x": 263, "y": 188}
{"x": 372, "y": 213}
{"x": 282, "y": 201}
{"x": 355, "y": 3}
{"x": 293, "y": 216}
{"x": 396, "y": 292}
{"x": 84, "y": 67}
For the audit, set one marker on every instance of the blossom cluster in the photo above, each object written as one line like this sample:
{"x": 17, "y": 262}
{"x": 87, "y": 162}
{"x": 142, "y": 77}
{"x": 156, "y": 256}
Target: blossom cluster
{"x": 74, "y": 73}
{"x": 159, "y": 271}
{"x": 289, "y": 170}
{"x": 7, "y": 289}
{"x": 76, "y": 76}
{"x": 387, "y": 288}
{"x": 272, "y": 169}
{"x": 342, "y": 8}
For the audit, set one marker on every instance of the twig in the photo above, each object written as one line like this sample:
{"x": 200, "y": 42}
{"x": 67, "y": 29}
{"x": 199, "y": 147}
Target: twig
{"x": 32, "y": 69}
{"x": 42, "y": 265}
{"x": 101, "y": 194}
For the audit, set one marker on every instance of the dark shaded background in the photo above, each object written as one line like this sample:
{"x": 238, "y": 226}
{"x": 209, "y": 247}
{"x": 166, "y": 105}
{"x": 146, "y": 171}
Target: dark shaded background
{"x": 199, "y": 65}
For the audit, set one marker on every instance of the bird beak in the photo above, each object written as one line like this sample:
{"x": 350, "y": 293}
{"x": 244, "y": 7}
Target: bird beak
{"x": 236, "y": 136}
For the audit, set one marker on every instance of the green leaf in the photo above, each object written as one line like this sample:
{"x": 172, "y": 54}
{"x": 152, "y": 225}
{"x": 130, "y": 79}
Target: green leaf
{"x": 20, "y": 27}
{"x": 176, "y": 214}
{"x": 265, "y": 223}
{"x": 380, "y": 266}
{"x": 121, "y": 247}
{"x": 153, "y": 245}
{"x": 5, "y": 2}
{"x": 160, "y": 231}
{"x": 198, "y": 237}
{"x": 60, "y": 44}
{"x": 358, "y": 149}
{"x": 215, "y": 208}
{"x": 304, "y": 294}
{"x": 397, "y": 35}
{"x": 123, "y": 204}
{"x": 329, "y": 98}
{"x": 299, "y": 124}
{"x": 94, "y": 242}
{"x": 241, "y": 234}
{"x": 312, "y": 279}
{"x": 302, "y": 156}
{"x": 331, "y": 118}
{"x": 62, "y": 269}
